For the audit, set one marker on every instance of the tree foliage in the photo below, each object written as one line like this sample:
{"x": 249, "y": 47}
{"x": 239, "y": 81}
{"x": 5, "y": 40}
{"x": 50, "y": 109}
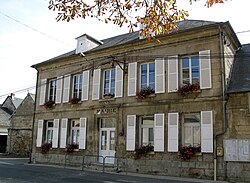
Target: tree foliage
{"x": 157, "y": 16}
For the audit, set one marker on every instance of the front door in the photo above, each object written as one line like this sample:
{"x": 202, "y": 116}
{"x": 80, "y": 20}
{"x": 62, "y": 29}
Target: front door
{"x": 107, "y": 141}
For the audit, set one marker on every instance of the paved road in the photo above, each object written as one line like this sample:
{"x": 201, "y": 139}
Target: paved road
{"x": 18, "y": 171}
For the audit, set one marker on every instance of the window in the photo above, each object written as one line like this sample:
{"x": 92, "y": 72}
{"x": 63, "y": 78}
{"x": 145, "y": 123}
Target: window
{"x": 192, "y": 130}
{"x": 52, "y": 90}
{"x": 49, "y": 131}
{"x": 109, "y": 82}
{"x": 190, "y": 70}
{"x": 148, "y": 75}
{"x": 77, "y": 86}
{"x": 147, "y": 131}
{"x": 75, "y": 131}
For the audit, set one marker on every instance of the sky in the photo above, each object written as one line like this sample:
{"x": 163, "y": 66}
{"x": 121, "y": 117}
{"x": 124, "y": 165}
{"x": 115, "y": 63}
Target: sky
{"x": 30, "y": 34}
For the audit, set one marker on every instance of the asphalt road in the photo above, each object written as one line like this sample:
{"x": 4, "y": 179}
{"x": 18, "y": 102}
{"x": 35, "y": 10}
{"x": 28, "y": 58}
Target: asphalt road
{"x": 19, "y": 171}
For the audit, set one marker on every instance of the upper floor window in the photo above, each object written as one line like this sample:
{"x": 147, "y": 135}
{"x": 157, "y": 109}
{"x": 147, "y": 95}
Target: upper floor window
{"x": 77, "y": 86}
{"x": 190, "y": 70}
{"x": 75, "y": 131}
{"x": 52, "y": 90}
{"x": 109, "y": 82}
{"x": 147, "y": 131}
{"x": 49, "y": 131}
{"x": 148, "y": 76}
{"x": 192, "y": 130}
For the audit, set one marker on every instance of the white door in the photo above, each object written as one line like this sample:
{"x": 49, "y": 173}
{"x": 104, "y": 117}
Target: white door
{"x": 107, "y": 141}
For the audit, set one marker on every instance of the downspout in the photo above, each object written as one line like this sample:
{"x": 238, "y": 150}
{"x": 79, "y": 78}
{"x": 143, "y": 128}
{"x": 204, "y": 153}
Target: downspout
{"x": 33, "y": 121}
{"x": 224, "y": 101}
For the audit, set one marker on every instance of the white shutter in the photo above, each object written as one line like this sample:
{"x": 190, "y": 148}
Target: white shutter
{"x": 39, "y": 137}
{"x": 59, "y": 90}
{"x": 131, "y": 120}
{"x": 172, "y": 73}
{"x": 66, "y": 88}
{"x": 43, "y": 91}
{"x": 118, "y": 81}
{"x": 173, "y": 127}
{"x": 160, "y": 75}
{"x": 55, "y": 133}
{"x": 159, "y": 132}
{"x": 205, "y": 69}
{"x": 96, "y": 84}
{"x": 207, "y": 131}
{"x": 63, "y": 138}
{"x": 82, "y": 135}
{"x": 132, "y": 78}
{"x": 85, "y": 85}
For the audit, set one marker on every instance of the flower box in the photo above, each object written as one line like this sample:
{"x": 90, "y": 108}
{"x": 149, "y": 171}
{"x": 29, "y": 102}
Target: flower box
{"x": 189, "y": 90}
{"x": 49, "y": 104}
{"x": 75, "y": 100}
{"x": 45, "y": 148}
{"x": 70, "y": 148}
{"x": 145, "y": 92}
{"x": 187, "y": 152}
{"x": 108, "y": 96}
{"x": 143, "y": 151}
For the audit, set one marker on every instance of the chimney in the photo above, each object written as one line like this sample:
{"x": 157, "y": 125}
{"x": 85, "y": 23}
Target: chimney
{"x": 85, "y": 43}
{"x": 12, "y": 95}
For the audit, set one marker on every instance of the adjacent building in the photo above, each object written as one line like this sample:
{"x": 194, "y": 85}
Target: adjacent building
{"x": 116, "y": 96}
{"x": 8, "y": 107}
{"x": 20, "y": 129}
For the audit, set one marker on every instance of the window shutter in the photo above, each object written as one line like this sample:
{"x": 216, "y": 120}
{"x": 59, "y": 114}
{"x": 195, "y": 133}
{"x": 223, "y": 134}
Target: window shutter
{"x": 207, "y": 131}
{"x": 39, "y": 137}
{"x": 63, "y": 139}
{"x": 43, "y": 91}
{"x": 130, "y": 145}
{"x": 159, "y": 132}
{"x": 205, "y": 69}
{"x": 55, "y": 133}
{"x": 82, "y": 135}
{"x": 85, "y": 85}
{"x": 132, "y": 78}
{"x": 59, "y": 90}
{"x": 118, "y": 81}
{"x": 160, "y": 75}
{"x": 96, "y": 84}
{"x": 66, "y": 88}
{"x": 172, "y": 73}
{"x": 173, "y": 127}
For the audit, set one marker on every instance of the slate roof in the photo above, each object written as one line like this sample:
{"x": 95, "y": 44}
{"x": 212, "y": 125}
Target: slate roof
{"x": 240, "y": 78}
{"x": 185, "y": 25}
{"x": 17, "y": 102}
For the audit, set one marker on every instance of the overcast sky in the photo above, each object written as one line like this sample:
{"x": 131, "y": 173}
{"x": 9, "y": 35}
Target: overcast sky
{"x": 29, "y": 34}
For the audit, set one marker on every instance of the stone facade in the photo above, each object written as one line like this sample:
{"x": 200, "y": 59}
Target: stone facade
{"x": 20, "y": 131}
{"x": 125, "y": 112}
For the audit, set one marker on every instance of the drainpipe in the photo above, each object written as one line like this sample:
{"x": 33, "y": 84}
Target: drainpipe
{"x": 224, "y": 101}
{"x": 33, "y": 121}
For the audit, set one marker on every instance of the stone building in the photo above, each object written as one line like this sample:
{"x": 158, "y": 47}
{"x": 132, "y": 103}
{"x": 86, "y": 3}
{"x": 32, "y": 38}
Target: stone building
{"x": 117, "y": 96}
{"x": 20, "y": 129}
{"x": 6, "y": 110}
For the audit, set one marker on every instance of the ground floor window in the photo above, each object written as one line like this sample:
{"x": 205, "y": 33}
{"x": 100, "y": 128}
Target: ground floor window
{"x": 75, "y": 131}
{"x": 49, "y": 131}
{"x": 147, "y": 131}
{"x": 192, "y": 129}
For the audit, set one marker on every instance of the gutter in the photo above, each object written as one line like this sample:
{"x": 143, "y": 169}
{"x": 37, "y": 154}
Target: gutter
{"x": 33, "y": 122}
{"x": 224, "y": 102}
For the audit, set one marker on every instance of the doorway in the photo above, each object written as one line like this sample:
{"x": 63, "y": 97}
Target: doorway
{"x": 107, "y": 140}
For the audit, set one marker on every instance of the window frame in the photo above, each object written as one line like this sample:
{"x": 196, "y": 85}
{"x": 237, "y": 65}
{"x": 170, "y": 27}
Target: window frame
{"x": 109, "y": 82}
{"x": 190, "y": 68}
{"x": 148, "y": 74}
{"x": 79, "y": 84}
{"x": 49, "y": 129}
{"x": 53, "y": 90}
{"x": 141, "y": 126}
{"x": 192, "y": 125}
{"x": 75, "y": 129}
